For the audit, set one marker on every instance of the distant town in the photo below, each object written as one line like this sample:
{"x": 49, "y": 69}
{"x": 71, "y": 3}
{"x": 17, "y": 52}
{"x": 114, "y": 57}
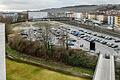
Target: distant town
{"x": 107, "y": 16}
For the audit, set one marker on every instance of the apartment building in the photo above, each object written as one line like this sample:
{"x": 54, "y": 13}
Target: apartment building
{"x": 92, "y": 16}
{"x": 102, "y": 18}
{"x": 70, "y": 14}
{"x": 111, "y": 20}
{"x": 84, "y": 15}
{"x": 117, "y": 21}
{"x": 75, "y": 15}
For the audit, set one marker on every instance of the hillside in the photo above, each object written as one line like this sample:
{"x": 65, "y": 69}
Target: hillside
{"x": 84, "y": 8}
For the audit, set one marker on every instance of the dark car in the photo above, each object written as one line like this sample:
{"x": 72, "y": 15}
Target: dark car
{"x": 107, "y": 56}
{"x": 114, "y": 46}
{"x": 104, "y": 42}
{"x": 117, "y": 41}
{"x": 95, "y": 34}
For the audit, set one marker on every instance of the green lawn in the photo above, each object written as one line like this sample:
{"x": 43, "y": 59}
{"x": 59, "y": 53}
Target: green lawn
{"x": 21, "y": 71}
{"x": 50, "y": 63}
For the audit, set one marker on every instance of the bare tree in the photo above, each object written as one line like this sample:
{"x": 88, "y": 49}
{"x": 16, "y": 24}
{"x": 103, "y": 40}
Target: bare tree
{"x": 64, "y": 38}
{"x": 45, "y": 35}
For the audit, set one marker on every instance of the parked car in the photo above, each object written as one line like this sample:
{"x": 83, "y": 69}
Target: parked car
{"x": 81, "y": 30}
{"x": 70, "y": 44}
{"x": 109, "y": 44}
{"x": 114, "y": 46}
{"x": 104, "y": 42}
{"x": 117, "y": 41}
{"x": 72, "y": 40}
{"x": 95, "y": 34}
{"x": 82, "y": 36}
{"x": 107, "y": 56}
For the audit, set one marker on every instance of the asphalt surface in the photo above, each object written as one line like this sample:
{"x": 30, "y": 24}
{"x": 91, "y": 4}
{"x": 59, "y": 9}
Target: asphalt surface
{"x": 2, "y": 52}
{"x": 100, "y": 48}
{"x": 105, "y": 69}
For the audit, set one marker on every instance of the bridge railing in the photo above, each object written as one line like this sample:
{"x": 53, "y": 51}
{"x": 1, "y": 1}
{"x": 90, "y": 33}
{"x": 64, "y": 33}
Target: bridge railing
{"x": 111, "y": 72}
{"x": 100, "y": 56}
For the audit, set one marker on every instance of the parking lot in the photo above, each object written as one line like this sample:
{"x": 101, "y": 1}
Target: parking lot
{"x": 77, "y": 38}
{"x": 104, "y": 43}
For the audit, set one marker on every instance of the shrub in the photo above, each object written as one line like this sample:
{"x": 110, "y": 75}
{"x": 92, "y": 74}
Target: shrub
{"x": 78, "y": 58}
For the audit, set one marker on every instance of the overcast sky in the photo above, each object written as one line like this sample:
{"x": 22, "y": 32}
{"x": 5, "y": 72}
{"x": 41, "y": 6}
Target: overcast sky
{"x": 42, "y": 4}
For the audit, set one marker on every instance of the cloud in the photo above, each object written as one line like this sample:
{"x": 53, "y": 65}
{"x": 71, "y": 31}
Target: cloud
{"x": 42, "y": 4}
{"x": 3, "y": 7}
{"x": 15, "y": 2}
{"x": 31, "y": 4}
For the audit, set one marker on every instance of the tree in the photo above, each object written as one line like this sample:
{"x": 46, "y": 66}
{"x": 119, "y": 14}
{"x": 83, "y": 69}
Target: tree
{"x": 64, "y": 39}
{"x": 8, "y": 30}
{"x": 45, "y": 26}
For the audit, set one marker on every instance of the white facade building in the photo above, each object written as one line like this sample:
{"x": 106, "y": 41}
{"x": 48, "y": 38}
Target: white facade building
{"x": 78, "y": 15}
{"x": 111, "y": 20}
{"x": 33, "y": 15}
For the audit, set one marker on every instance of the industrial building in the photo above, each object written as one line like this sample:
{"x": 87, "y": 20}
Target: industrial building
{"x": 37, "y": 15}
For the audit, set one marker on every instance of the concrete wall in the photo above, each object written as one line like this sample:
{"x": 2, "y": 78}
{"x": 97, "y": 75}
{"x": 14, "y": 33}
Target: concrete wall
{"x": 2, "y": 52}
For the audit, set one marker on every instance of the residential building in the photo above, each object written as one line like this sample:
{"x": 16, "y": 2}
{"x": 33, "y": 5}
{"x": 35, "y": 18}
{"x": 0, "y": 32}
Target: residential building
{"x": 70, "y": 14}
{"x": 117, "y": 20}
{"x": 92, "y": 16}
{"x": 62, "y": 14}
{"x": 76, "y": 15}
{"x": 102, "y": 18}
{"x": 111, "y": 20}
{"x": 84, "y": 15}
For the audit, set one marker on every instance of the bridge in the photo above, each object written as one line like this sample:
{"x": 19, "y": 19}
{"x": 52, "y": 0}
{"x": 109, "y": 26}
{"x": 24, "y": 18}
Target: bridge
{"x": 105, "y": 69}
